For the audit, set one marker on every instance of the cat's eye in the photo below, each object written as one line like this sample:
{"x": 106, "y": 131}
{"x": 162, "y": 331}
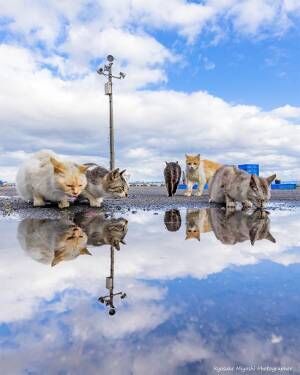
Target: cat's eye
{"x": 69, "y": 185}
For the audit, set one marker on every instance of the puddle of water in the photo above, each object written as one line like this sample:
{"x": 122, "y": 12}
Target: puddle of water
{"x": 186, "y": 293}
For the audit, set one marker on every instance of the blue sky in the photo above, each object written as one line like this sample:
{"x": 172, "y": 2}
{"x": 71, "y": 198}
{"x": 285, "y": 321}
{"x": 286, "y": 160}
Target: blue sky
{"x": 217, "y": 77}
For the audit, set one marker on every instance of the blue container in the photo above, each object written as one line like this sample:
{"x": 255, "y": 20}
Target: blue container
{"x": 183, "y": 186}
{"x": 250, "y": 168}
{"x": 283, "y": 186}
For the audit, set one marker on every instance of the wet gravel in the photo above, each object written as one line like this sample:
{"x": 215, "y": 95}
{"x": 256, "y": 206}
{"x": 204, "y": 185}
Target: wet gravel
{"x": 145, "y": 198}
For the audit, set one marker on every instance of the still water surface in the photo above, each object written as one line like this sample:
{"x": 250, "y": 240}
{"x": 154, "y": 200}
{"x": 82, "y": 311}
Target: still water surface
{"x": 187, "y": 292}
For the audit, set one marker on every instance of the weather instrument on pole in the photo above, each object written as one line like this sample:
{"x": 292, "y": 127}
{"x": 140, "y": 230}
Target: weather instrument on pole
{"x": 107, "y": 72}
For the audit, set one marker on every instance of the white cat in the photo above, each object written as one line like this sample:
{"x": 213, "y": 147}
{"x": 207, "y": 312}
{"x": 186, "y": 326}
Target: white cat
{"x": 44, "y": 177}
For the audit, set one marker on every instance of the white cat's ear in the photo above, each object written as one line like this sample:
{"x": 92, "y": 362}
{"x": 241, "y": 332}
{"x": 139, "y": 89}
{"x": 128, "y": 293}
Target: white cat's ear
{"x": 271, "y": 179}
{"x": 55, "y": 261}
{"x": 270, "y": 238}
{"x": 85, "y": 251}
{"x": 59, "y": 167}
{"x": 82, "y": 168}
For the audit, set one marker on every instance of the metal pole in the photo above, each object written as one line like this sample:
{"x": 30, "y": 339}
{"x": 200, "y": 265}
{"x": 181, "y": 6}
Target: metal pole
{"x": 111, "y": 125}
{"x": 107, "y": 72}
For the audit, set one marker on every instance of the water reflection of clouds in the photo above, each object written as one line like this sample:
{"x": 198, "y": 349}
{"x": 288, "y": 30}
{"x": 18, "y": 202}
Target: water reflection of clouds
{"x": 53, "y": 312}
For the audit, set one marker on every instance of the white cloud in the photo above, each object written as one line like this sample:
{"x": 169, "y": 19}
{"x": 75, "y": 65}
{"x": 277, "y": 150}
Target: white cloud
{"x": 40, "y": 111}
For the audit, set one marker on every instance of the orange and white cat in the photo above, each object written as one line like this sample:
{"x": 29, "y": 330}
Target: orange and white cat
{"x": 197, "y": 223}
{"x": 46, "y": 178}
{"x": 199, "y": 171}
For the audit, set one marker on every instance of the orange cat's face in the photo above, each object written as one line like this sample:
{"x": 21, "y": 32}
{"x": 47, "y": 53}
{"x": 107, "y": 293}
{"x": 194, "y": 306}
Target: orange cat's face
{"x": 71, "y": 244}
{"x": 70, "y": 178}
{"x": 192, "y": 161}
{"x": 192, "y": 232}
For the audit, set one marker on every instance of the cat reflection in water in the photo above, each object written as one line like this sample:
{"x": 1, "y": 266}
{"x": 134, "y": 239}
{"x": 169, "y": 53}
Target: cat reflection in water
{"x": 101, "y": 230}
{"x": 237, "y": 227}
{"x": 197, "y": 222}
{"x": 172, "y": 220}
{"x": 240, "y": 226}
{"x": 52, "y": 241}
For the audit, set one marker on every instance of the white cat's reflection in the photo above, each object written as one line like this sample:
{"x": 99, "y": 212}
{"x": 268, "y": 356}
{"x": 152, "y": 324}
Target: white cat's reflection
{"x": 51, "y": 241}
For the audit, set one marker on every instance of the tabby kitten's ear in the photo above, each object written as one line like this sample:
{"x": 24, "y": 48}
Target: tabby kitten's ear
{"x": 124, "y": 170}
{"x": 114, "y": 174}
{"x": 116, "y": 244}
{"x": 271, "y": 179}
{"x": 82, "y": 168}
{"x": 176, "y": 162}
{"x": 166, "y": 162}
{"x": 85, "y": 251}
{"x": 270, "y": 238}
{"x": 59, "y": 167}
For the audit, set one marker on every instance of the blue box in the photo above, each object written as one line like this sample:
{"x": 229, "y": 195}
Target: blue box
{"x": 283, "y": 186}
{"x": 183, "y": 186}
{"x": 250, "y": 168}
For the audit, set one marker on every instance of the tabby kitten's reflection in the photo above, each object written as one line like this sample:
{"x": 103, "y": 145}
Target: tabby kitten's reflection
{"x": 101, "y": 230}
{"x": 240, "y": 226}
{"x": 52, "y": 241}
{"x": 197, "y": 222}
{"x": 172, "y": 220}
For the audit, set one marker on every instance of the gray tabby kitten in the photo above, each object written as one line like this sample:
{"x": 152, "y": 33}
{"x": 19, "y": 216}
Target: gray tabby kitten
{"x": 51, "y": 241}
{"x": 101, "y": 230}
{"x": 172, "y": 174}
{"x": 230, "y": 185}
{"x": 101, "y": 183}
{"x": 239, "y": 226}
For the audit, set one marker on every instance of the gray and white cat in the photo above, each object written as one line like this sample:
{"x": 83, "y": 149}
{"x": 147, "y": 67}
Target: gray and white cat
{"x": 240, "y": 226}
{"x": 230, "y": 185}
{"x": 102, "y": 183}
{"x": 51, "y": 241}
{"x": 101, "y": 230}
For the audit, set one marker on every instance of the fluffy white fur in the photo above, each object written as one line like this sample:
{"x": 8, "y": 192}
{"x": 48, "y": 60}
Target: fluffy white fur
{"x": 38, "y": 182}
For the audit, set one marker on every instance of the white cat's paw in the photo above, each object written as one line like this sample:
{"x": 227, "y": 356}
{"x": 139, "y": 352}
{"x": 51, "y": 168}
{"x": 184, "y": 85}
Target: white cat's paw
{"x": 96, "y": 202}
{"x": 38, "y": 202}
{"x": 188, "y": 193}
{"x": 198, "y": 193}
{"x": 63, "y": 204}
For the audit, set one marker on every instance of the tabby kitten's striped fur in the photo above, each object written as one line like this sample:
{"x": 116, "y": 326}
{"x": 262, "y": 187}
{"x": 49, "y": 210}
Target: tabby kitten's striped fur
{"x": 101, "y": 183}
{"x": 172, "y": 175}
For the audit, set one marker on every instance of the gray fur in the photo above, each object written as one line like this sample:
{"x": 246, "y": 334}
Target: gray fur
{"x": 101, "y": 230}
{"x": 230, "y": 185}
{"x": 240, "y": 226}
{"x": 101, "y": 183}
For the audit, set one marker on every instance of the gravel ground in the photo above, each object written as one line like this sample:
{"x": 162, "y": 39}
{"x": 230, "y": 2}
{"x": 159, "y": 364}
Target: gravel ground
{"x": 146, "y": 198}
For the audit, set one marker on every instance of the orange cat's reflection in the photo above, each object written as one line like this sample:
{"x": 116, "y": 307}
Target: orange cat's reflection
{"x": 51, "y": 241}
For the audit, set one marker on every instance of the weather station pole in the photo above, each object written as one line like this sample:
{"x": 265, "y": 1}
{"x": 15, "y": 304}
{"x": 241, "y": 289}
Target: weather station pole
{"x": 107, "y": 72}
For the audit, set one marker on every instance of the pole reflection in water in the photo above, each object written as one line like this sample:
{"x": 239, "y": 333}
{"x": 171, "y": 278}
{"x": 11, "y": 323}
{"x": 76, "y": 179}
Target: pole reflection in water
{"x": 109, "y": 299}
